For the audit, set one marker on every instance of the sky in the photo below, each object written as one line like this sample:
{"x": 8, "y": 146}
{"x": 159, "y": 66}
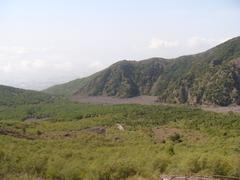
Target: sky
{"x": 48, "y": 42}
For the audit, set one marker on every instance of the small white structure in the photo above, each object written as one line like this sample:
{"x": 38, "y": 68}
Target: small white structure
{"x": 120, "y": 127}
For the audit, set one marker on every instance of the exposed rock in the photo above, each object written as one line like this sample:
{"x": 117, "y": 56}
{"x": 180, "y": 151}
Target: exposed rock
{"x": 98, "y": 130}
{"x": 120, "y": 127}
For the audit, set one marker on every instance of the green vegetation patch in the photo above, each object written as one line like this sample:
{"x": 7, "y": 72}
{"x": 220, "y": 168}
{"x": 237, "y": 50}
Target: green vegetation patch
{"x": 79, "y": 141}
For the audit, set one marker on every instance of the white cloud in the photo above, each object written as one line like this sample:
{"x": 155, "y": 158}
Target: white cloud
{"x": 38, "y": 68}
{"x": 158, "y": 43}
{"x": 180, "y": 46}
{"x": 96, "y": 65}
{"x": 5, "y": 68}
{"x": 195, "y": 43}
{"x": 35, "y": 74}
{"x": 16, "y": 51}
{"x": 201, "y": 42}
{"x": 222, "y": 40}
{"x": 38, "y": 64}
{"x": 34, "y": 66}
{"x": 16, "y": 60}
{"x": 63, "y": 66}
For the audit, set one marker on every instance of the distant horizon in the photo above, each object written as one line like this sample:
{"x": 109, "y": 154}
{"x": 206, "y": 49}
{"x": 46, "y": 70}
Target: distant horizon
{"x": 47, "y": 43}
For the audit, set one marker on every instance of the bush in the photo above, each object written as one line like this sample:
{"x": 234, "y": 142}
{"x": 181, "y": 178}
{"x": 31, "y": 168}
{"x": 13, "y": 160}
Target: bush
{"x": 176, "y": 138}
{"x": 220, "y": 166}
{"x": 54, "y": 167}
{"x": 160, "y": 164}
{"x": 118, "y": 171}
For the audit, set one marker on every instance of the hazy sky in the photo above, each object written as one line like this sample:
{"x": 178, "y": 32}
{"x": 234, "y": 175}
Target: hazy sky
{"x": 52, "y": 41}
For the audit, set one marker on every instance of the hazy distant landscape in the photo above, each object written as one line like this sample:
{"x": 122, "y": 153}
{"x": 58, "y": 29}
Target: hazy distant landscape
{"x": 126, "y": 90}
{"x": 96, "y": 128}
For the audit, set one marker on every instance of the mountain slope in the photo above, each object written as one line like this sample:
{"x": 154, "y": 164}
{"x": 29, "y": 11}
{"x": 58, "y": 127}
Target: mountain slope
{"x": 67, "y": 89}
{"x": 209, "y": 77}
{"x": 122, "y": 79}
{"x": 14, "y": 96}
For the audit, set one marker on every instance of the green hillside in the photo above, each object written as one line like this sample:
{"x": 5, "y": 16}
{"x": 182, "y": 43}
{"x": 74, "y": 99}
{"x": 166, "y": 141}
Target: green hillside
{"x": 66, "y": 89}
{"x": 211, "y": 77}
{"x": 14, "y": 96}
{"x": 123, "y": 79}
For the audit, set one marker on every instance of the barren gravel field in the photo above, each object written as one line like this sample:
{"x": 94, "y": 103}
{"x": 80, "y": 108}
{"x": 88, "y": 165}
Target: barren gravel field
{"x": 113, "y": 100}
{"x": 146, "y": 100}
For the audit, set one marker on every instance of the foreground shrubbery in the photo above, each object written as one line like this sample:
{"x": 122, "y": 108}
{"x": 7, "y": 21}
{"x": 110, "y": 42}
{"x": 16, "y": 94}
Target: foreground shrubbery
{"x": 62, "y": 147}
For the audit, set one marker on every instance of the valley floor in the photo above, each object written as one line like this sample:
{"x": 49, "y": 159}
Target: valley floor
{"x": 146, "y": 100}
{"x": 66, "y": 140}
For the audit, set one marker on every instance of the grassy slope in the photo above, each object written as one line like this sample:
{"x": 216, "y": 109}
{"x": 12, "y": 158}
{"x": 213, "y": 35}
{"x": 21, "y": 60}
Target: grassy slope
{"x": 66, "y": 89}
{"x": 63, "y": 149}
{"x": 208, "y": 77}
{"x": 14, "y": 96}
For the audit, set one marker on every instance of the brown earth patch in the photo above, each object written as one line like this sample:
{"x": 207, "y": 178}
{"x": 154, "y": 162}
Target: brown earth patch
{"x": 97, "y": 130}
{"x": 22, "y": 134}
{"x": 161, "y": 134}
{"x": 16, "y": 134}
{"x": 220, "y": 109}
{"x": 59, "y": 135}
{"x": 73, "y": 133}
{"x": 35, "y": 119}
{"x": 216, "y": 177}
